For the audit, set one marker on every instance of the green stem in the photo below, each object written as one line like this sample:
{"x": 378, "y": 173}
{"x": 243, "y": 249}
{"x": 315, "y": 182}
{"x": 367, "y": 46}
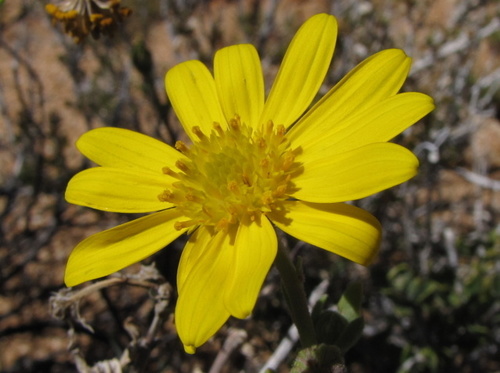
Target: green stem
{"x": 296, "y": 298}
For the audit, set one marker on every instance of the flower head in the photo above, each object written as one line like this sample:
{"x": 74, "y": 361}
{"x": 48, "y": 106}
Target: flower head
{"x": 253, "y": 163}
{"x": 81, "y": 17}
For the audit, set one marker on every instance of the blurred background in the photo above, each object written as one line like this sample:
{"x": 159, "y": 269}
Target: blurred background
{"x": 432, "y": 299}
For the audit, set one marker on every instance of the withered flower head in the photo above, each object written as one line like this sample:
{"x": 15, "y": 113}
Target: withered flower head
{"x": 83, "y": 17}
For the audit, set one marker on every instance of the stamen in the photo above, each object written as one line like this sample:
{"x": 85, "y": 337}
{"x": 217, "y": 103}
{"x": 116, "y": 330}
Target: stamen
{"x": 288, "y": 159}
{"x": 235, "y": 123}
{"x": 261, "y": 143}
{"x": 182, "y": 147}
{"x": 168, "y": 171}
{"x": 267, "y": 198}
{"x": 269, "y": 127}
{"x": 280, "y": 190}
{"x": 178, "y": 225}
{"x": 182, "y": 166}
{"x": 218, "y": 128}
{"x": 197, "y": 131}
{"x": 280, "y": 130}
{"x": 166, "y": 196}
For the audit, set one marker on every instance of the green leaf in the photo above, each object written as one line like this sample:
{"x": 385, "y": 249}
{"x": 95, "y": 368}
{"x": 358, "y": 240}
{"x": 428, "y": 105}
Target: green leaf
{"x": 350, "y": 303}
{"x": 320, "y": 306}
{"x": 330, "y": 325}
{"x": 352, "y": 333}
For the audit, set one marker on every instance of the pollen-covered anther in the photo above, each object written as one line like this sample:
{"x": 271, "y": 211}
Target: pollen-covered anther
{"x": 267, "y": 198}
{"x": 235, "y": 123}
{"x": 269, "y": 127}
{"x": 218, "y": 128}
{"x": 288, "y": 159}
{"x": 264, "y": 163}
{"x": 198, "y": 132}
{"x": 168, "y": 171}
{"x": 280, "y": 191}
{"x": 280, "y": 130}
{"x": 182, "y": 166}
{"x": 261, "y": 143}
{"x": 178, "y": 225}
{"x": 182, "y": 147}
{"x": 167, "y": 196}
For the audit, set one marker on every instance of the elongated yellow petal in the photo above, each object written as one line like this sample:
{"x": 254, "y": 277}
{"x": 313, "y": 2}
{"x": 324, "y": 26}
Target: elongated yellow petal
{"x": 192, "y": 92}
{"x": 337, "y": 227}
{"x": 107, "y": 252}
{"x": 240, "y": 84}
{"x": 355, "y": 174}
{"x": 376, "y": 78}
{"x": 302, "y": 71}
{"x": 118, "y": 147}
{"x": 192, "y": 252}
{"x": 255, "y": 250}
{"x": 118, "y": 190}
{"x": 378, "y": 123}
{"x": 200, "y": 309}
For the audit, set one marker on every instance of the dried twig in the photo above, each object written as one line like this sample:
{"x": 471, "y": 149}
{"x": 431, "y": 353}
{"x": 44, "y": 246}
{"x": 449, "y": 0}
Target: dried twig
{"x": 234, "y": 340}
{"x": 480, "y": 180}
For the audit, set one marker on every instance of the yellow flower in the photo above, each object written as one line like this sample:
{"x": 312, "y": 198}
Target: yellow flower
{"x": 81, "y": 17}
{"x": 253, "y": 163}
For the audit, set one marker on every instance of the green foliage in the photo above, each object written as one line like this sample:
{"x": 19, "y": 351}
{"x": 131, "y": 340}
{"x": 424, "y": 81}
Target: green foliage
{"x": 447, "y": 316}
{"x": 337, "y": 329}
{"x": 344, "y": 326}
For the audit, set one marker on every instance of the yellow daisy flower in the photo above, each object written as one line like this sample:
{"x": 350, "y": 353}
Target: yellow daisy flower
{"x": 254, "y": 164}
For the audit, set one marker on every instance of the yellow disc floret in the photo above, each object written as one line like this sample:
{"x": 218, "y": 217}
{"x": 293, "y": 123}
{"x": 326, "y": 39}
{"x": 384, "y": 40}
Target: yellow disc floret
{"x": 232, "y": 176}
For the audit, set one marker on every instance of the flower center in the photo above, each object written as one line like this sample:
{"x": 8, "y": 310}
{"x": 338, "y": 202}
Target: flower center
{"x": 232, "y": 176}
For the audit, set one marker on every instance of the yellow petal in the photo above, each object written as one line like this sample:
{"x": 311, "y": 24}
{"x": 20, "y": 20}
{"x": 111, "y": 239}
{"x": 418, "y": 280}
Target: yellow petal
{"x": 378, "y": 123}
{"x": 118, "y": 190}
{"x": 191, "y": 253}
{"x": 255, "y": 250}
{"x": 302, "y": 71}
{"x": 107, "y": 252}
{"x": 118, "y": 147}
{"x": 355, "y": 174}
{"x": 376, "y": 78}
{"x": 200, "y": 310}
{"x": 192, "y": 92}
{"x": 240, "y": 84}
{"x": 337, "y": 227}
